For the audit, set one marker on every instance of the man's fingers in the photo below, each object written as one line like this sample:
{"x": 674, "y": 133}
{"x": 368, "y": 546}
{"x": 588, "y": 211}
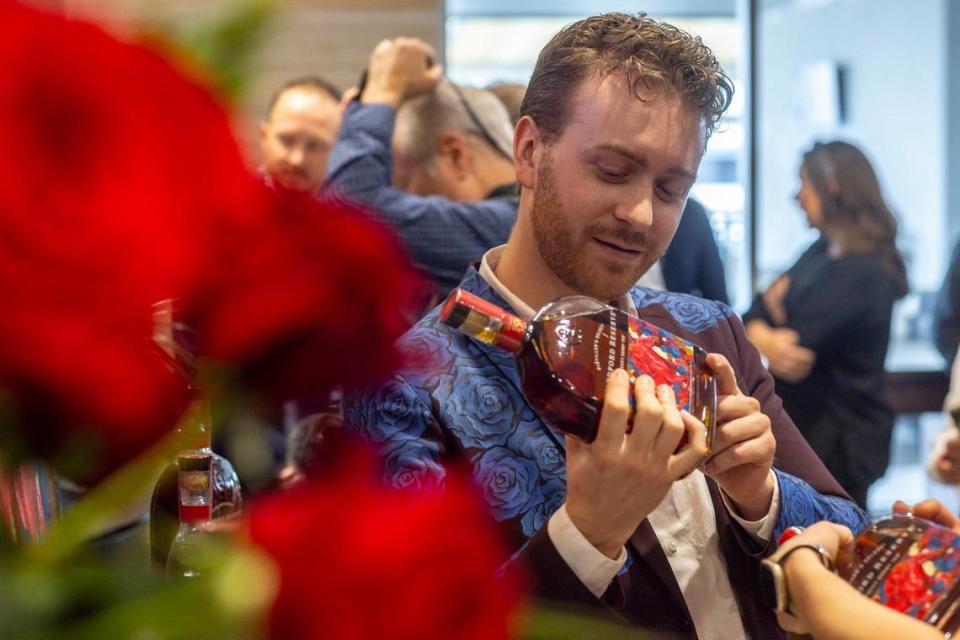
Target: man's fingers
{"x": 684, "y": 461}
{"x": 431, "y": 78}
{"x": 747, "y": 427}
{"x": 738, "y": 455}
{"x": 348, "y": 96}
{"x": 953, "y": 446}
{"x": 648, "y": 417}
{"x": 383, "y": 45}
{"x": 726, "y": 378}
{"x": 672, "y": 427}
{"x": 937, "y": 512}
{"x": 730, "y": 408}
{"x": 573, "y": 446}
{"x": 801, "y": 355}
{"x": 844, "y": 535}
{"x": 615, "y": 412}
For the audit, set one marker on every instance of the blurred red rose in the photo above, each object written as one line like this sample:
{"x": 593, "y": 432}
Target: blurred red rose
{"x": 313, "y": 295}
{"x": 116, "y": 173}
{"x": 121, "y": 185}
{"x": 359, "y": 560}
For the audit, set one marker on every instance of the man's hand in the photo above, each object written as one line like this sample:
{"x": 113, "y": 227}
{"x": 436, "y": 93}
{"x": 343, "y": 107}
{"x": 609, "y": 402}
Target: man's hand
{"x": 773, "y": 299}
{"x": 744, "y": 446}
{"x": 400, "y": 69}
{"x": 946, "y": 465}
{"x": 614, "y": 482}
{"x": 786, "y": 359}
{"x": 932, "y": 510}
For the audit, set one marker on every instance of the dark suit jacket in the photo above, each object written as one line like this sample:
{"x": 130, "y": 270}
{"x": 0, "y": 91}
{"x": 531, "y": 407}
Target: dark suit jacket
{"x": 461, "y": 400}
{"x": 692, "y": 261}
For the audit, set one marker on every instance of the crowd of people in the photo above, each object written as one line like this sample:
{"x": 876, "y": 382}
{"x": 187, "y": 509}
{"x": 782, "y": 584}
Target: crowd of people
{"x": 578, "y": 183}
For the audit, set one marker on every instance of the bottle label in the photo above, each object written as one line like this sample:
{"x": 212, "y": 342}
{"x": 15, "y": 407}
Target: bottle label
{"x": 582, "y": 350}
{"x": 642, "y": 348}
{"x": 195, "y": 482}
{"x": 910, "y": 565}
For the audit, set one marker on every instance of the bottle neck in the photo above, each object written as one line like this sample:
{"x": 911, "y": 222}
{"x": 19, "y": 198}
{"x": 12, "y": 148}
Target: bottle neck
{"x": 195, "y": 486}
{"x": 194, "y": 427}
{"x": 484, "y": 321}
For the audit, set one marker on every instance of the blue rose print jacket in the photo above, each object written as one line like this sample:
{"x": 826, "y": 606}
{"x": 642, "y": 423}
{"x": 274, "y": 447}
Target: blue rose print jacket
{"x": 459, "y": 399}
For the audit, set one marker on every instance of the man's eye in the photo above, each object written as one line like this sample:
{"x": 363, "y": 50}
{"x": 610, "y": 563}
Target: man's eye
{"x": 316, "y": 146}
{"x": 287, "y": 140}
{"x": 665, "y": 193}
{"x": 610, "y": 175}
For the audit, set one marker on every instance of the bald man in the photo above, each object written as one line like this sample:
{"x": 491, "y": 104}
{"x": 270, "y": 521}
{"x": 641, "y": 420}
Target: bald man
{"x": 302, "y": 125}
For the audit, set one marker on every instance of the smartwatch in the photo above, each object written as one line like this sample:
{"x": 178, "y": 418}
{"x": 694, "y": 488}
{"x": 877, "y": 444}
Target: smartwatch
{"x": 773, "y": 579}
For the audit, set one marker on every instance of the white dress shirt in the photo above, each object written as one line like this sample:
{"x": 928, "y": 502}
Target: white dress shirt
{"x": 684, "y": 523}
{"x": 653, "y": 278}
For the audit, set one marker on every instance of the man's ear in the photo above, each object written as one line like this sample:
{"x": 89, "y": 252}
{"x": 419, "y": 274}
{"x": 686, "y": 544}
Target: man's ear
{"x": 264, "y": 132}
{"x": 527, "y": 147}
{"x": 454, "y": 148}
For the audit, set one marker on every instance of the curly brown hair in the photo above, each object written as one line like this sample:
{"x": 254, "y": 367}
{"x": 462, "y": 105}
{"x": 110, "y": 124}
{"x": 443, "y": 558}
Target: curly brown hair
{"x": 652, "y": 55}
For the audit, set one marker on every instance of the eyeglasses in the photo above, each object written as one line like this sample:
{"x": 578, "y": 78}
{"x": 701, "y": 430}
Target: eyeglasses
{"x": 478, "y": 123}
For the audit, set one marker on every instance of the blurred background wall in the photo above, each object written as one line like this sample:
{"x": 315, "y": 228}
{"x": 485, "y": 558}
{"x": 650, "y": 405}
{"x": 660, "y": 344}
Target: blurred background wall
{"x": 332, "y": 38}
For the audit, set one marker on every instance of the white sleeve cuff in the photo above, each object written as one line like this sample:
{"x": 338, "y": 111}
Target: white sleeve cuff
{"x": 595, "y": 570}
{"x": 762, "y": 529}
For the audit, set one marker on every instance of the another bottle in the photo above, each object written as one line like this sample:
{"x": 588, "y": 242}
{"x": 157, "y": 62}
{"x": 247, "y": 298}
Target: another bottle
{"x": 226, "y": 496}
{"x": 177, "y": 341}
{"x": 195, "y": 497}
{"x": 569, "y": 349}
{"x": 911, "y": 565}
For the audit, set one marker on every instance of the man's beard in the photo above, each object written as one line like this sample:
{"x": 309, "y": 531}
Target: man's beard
{"x": 567, "y": 254}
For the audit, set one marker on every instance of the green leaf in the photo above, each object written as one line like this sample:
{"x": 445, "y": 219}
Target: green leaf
{"x": 226, "y": 47}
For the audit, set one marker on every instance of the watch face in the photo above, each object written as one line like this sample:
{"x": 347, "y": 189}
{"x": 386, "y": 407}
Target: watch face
{"x": 768, "y": 584}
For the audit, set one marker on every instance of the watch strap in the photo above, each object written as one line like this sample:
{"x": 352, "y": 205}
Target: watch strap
{"x": 825, "y": 558}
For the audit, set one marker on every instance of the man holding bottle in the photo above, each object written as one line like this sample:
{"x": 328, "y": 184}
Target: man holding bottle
{"x": 613, "y": 127}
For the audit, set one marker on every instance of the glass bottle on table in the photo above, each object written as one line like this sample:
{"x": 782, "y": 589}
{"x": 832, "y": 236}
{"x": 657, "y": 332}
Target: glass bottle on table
{"x": 175, "y": 339}
{"x": 195, "y": 502}
{"x": 226, "y": 500}
{"x": 571, "y": 346}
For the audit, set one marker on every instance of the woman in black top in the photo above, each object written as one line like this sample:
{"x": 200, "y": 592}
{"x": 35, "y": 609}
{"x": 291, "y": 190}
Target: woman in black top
{"x": 824, "y": 325}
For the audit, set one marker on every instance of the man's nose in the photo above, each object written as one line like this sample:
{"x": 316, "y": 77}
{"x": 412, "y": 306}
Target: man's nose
{"x": 637, "y": 211}
{"x": 296, "y": 156}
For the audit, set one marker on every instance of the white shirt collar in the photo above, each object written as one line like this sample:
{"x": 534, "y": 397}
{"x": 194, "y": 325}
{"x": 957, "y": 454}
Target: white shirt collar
{"x": 489, "y": 263}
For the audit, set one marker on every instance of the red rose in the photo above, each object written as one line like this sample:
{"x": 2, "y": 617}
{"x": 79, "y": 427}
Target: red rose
{"x": 358, "y": 560}
{"x": 116, "y": 174}
{"x": 314, "y": 294}
{"x": 121, "y": 185}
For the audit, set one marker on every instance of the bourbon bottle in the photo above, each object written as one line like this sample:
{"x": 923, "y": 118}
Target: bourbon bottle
{"x": 911, "y": 565}
{"x": 568, "y": 350}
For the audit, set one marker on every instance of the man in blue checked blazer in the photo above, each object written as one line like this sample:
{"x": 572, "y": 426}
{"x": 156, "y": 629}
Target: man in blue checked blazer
{"x": 432, "y": 160}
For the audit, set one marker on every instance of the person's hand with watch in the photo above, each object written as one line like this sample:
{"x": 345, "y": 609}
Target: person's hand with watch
{"x": 799, "y": 582}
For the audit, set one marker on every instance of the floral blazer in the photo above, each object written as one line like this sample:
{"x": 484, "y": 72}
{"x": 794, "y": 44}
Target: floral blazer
{"x": 459, "y": 399}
